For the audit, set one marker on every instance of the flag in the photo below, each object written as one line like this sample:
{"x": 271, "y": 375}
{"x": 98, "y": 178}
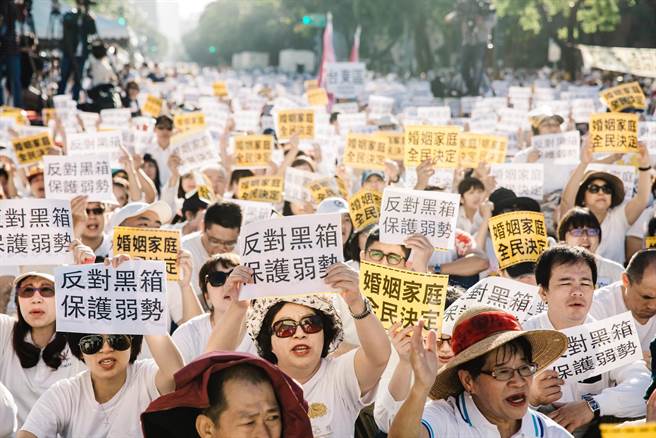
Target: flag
{"x": 328, "y": 52}
{"x": 355, "y": 50}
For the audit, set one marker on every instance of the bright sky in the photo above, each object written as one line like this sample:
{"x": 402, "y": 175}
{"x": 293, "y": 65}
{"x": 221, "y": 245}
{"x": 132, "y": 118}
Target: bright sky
{"x": 190, "y": 8}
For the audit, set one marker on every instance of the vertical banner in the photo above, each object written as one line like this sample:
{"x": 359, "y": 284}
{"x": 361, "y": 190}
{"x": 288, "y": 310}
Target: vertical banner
{"x": 149, "y": 244}
{"x": 66, "y": 177}
{"x": 364, "y": 208}
{"x": 518, "y": 237}
{"x": 439, "y": 143}
{"x": 614, "y": 132}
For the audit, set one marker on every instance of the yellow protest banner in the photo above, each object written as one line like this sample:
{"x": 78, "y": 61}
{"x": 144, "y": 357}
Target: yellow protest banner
{"x": 614, "y": 132}
{"x": 364, "y": 208}
{"x": 322, "y": 188}
{"x": 261, "y": 188}
{"x": 650, "y": 242}
{"x": 17, "y": 113}
{"x": 220, "y": 89}
{"x": 317, "y": 96}
{"x": 295, "y": 121}
{"x": 253, "y": 150}
{"x": 395, "y": 144}
{"x": 476, "y": 148}
{"x": 624, "y": 96}
{"x": 47, "y": 114}
{"x": 149, "y": 244}
{"x": 31, "y": 148}
{"x": 397, "y": 295}
{"x": 518, "y": 237}
{"x": 365, "y": 151}
{"x": 645, "y": 430}
{"x": 437, "y": 142}
{"x": 187, "y": 121}
{"x": 310, "y": 84}
{"x": 153, "y": 106}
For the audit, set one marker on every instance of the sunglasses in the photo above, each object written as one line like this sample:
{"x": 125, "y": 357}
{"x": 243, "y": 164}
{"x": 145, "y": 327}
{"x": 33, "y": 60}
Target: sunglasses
{"x": 92, "y": 344}
{"x": 378, "y": 255}
{"x": 29, "y": 291}
{"x": 95, "y": 211}
{"x": 579, "y": 232}
{"x": 504, "y": 374}
{"x": 217, "y": 279}
{"x": 286, "y": 328}
{"x": 594, "y": 188}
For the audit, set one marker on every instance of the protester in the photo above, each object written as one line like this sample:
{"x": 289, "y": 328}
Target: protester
{"x": 78, "y": 26}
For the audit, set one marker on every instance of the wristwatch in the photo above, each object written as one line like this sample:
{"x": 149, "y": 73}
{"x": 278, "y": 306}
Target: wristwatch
{"x": 365, "y": 312}
{"x": 592, "y": 404}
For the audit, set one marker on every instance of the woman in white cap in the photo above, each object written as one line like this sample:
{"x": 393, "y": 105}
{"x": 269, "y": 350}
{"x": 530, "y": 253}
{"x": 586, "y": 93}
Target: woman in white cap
{"x": 483, "y": 390}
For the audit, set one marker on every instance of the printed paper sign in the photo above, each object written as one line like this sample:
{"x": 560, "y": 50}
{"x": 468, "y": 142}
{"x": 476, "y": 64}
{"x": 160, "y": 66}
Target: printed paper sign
{"x": 32, "y": 148}
{"x": 518, "y": 237}
{"x": 69, "y": 176}
{"x": 195, "y": 150}
{"x": 129, "y": 299}
{"x": 405, "y": 212}
{"x": 437, "y": 142}
{"x": 116, "y": 117}
{"x": 253, "y": 151}
{"x": 35, "y": 232}
{"x": 247, "y": 121}
{"x": 220, "y": 89}
{"x": 344, "y": 79}
{"x": 582, "y": 109}
{"x": 364, "y": 208}
{"x": 442, "y": 178}
{"x": 153, "y": 106}
{"x": 149, "y": 244}
{"x": 296, "y": 181}
{"x": 351, "y": 122}
{"x": 398, "y": 295}
{"x": 525, "y": 179}
{"x": 189, "y": 121}
{"x": 626, "y": 173}
{"x": 598, "y": 347}
{"x": 481, "y": 148}
{"x": 395, "y": 141}
{"x": 365, "y": 151}
{"x": 379, "y": 106}
{"x": 253, "y": 211}
{"x": 434, "y": 115}
{"x": 322, "y": 188}
{"x": 624, "y": 96}
{"x": 95, "y": 143}
{"x": 563, "y": 148}
{"x": 261, "y": 188}
{"x": 317, "y": 97}
{"x": 614, "y": 132}
{"x": 290, "y": 255}
{"x": 645, "y": 430}
{"x": 295, "y": 121}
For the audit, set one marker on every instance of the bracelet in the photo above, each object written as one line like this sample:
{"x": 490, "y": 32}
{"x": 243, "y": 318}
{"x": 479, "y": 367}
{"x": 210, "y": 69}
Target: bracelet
{"x": 365, "y": 312}
{"x": 644, "y": 169}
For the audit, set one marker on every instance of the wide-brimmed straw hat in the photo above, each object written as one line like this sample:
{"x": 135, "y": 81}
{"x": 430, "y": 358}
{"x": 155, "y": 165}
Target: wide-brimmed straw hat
{"x": 482, "y": 329}
{"x": 613, "y": 181}
{"x": 261, "y": 306}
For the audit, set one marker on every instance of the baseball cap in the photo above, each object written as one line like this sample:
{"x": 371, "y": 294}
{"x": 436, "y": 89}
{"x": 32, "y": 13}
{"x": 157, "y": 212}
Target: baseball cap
{"x": 333, "y": 205}
{"x": 160, "y": 208}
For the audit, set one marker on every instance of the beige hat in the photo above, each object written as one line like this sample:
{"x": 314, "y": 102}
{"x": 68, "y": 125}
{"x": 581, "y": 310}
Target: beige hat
{"x": 43, "y": 275}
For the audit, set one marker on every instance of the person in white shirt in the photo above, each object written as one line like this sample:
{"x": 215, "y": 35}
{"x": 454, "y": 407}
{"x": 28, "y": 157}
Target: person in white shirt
{"x": 89, "y": 219}
{"x": 483, "y": 390}
{"x": 8, "y": 413}
{"x": 472, "y": 195}
{"x": 566, "y": 277}
{"x": 161, "y": 151}
{"x": 635, "y": 237}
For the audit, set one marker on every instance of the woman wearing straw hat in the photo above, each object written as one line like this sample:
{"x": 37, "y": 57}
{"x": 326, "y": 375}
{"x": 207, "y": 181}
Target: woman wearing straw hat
{"x": 483, "y": 390}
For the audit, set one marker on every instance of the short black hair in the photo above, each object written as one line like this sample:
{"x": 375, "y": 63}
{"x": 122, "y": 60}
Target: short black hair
{"x": 639, "y": 263}
{"x": 651, "y": 227}
{"x": 577, "y": 217}
{"x": 238, "y": 174}
{"x": 224, "y": 213}
{"x": 562, "y": 255}
{"x": 374, "y": 236}
{"x": 470, "y": 183}
{"x": 74, "y": 345}
{"x": 502, "y": 353}
{"x": 521, "y": 269}
{"x": 164, "y": 120}
{"x": 226, "y": 260}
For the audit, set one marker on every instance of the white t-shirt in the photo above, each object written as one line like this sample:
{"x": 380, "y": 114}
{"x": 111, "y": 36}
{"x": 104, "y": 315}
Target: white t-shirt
{"x": 105, "y": 248}
{"x": 161, "y": 156}
{"x": 613, "y": 232}
{"x": 608, "y": 271}
{"x": 608, "y": 301}
{"x": 199, "y": 255}
{"x": 459, "y": 417}
{"x": 333, "y": 396}
{"x": 192, "y": 336}
{"x": 8, "y": 413}
{"x": 27, "y": 384}
{"x": 70, "y": 408}
{"x": 470, "y": 226}
{"x": 639, "y": 227}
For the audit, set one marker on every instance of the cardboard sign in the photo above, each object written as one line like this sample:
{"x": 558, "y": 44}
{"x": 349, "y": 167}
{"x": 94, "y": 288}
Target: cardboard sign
{"x": 645, "y": 430}
{"x": 563, "y": 148}
{"x": 317, "y": 97}
{"x": 149, "y": 244}
{"x": 153, "y": 106}
{"x": 364, "y": 208}
{"x": 614, "y": 132}
{"x": 395, "y": 141}
{"x": 290, "y": 255}
{"x": 624, "y": 96}
{"x": 295, "y": 121}
{"x": 365, "y": 151}
{"x": 220, "y": 89}
{"x": 405, "y": 212}
{"x": 187, "y": 121}
{"x": 296, "y": 181}
{"x": 518, "y": 237}
{"x": 253, "y": 151}
{"x": 261, "y": 188}
{"x": 322, "y": 188}
{"x": 599, "y": 347}
{"x": 398, "y": 295}
{"x": 252, "y": 211}
{"x": 32, "y": 148}
{"x": 439, "y": 143}
{"x": 35, "y": 232}
{"x": 69, "y": 176}
{"x": 195, "y": 149}
{"x": 525, "y": 179}
{"x": 344, "y": 79}
{"x": 481, "y": 148}
{"x": 129, "y": 299}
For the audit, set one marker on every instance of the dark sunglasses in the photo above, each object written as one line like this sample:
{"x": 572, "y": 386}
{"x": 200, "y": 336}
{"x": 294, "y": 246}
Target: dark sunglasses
{"x": 594, "y": 188}
{"x": 29, "y": 291}
{"x": 95, "y": 211}
{"x": 218, "y": 278}
{"x": 286, "y": 328}
{"x": 92, "y": 344}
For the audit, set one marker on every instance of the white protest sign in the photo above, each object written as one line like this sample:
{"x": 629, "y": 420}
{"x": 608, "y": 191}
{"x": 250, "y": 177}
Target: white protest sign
{"x": 443, "y": 178}
{"x": 247, "y": 121}
{"x": 434, "y": 115}
{"x": 582, "y": 109}
{"x": 351, "y": 122}
{"x": 195, "y": 149}
{"x": 404, "y": 212}
{"x": 116, "y": 117}
{"x": 35, "y": 232}
{"x": 346, "y": 107}
{"x": 599, "y": 347}
{"x": 525, "y": 179}
{"x": 69, "y": 176}
{"x": 295, "y": 181}
{"x": 344, "y": 79}
{"x": 379, "y": 106}
{"x": 512, "y": 119}
{"x": 128, "y": 300}
{"x": 562, "y": 148}
{"x": 290, "y": 255}
{"x": 91, "y": 143}
{"x": 89, "y": 120}
{"x": 252, "y": 211}
{"x": 624, "y": 172}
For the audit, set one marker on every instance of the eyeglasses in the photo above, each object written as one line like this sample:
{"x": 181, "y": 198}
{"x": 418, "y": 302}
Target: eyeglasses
{"x": 590, "y": 232}
{"x": 286, "y": 328}
{"x": 217, "y": 279}
{"x": 504, "y": 374}
{"x": 377, "y": 255}
{"x": 92, "y": 344}
{"x": 594, "y": 188}
{"x": 95, "y": 211}
{"x": 29, "y": 291}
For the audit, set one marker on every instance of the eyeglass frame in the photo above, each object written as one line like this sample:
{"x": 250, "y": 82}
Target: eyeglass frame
{"x": 385, "y": 255}
{"x": 596, "y": 188}
{"x": 581, "y": 229}
{"x": 532, "y": 366}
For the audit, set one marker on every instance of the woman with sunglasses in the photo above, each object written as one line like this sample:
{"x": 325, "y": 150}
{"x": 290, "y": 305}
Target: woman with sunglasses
{"x": 106, "y": 399}
{"x": 192, "y": 337}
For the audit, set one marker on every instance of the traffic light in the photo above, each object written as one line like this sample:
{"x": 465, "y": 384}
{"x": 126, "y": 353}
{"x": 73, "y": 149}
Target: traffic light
{"x": 314, "y": 20}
